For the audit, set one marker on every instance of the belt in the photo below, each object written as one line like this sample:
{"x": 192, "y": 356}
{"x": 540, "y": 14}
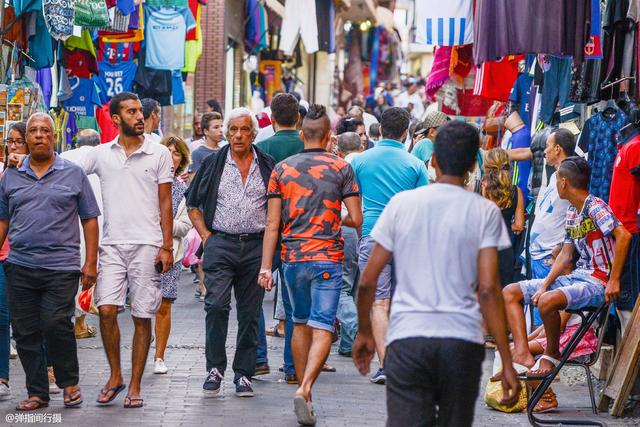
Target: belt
{"x": 243, "y": 237}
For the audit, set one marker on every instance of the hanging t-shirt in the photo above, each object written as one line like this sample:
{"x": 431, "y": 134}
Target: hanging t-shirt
{"x": 444, "y": 23}
{"x": 590, "y": 231}
{"x": 625, "y": 185}
{"x": 494, "y": 80}
{"x": 166, "y": 29}
{"x": 116, "y": 52}
{"x": 548, "y": 230}
{"x": 520, "y": 96}
{"x": 80, "y": 63}
{"x": 108, "y": 129}
{"x": 40, "y": 42}
{"x": 177, "y": 88}
{"x": 600, "y": 137}
{"x": 196, "y": 10}
{"x": 521, "y": 139}
{"x": 115, "y": 78}
{"x": 58, "y": 15}
{"x": 84, "y": 98}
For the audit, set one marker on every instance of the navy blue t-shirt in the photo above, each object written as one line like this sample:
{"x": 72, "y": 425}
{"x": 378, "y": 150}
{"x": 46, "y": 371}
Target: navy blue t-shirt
{"x": 520, "y": 95}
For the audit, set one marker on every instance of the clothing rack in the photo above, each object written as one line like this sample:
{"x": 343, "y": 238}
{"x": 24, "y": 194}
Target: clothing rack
{"x": 20, "y": 51}
{"x": 615, "y": 82}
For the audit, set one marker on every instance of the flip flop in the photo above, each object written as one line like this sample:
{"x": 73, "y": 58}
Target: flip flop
{"x": 116, "y": 391}
{"x": 25, "y": 405}
{"x": 532, "y": 376}
{"x": 304, "y": 411}
{"x": 72, "y": 399}
{"x": 128, "y": 402}
{"x": 520, "y": 370}
{"x": 273, "y": 332}
{"x": 328, "y": 368}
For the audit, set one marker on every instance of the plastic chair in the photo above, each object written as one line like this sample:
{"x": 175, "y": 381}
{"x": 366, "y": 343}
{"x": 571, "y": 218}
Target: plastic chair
{"x": 587, "y": 321}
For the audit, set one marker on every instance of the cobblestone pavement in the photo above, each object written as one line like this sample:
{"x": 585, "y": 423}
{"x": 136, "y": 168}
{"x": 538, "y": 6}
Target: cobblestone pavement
{"x": 340, "y": 399}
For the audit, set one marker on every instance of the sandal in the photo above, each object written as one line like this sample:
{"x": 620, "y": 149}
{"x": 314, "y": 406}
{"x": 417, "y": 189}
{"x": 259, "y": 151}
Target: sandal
{"x": 90, "y": 332}
{"x": 31, "y": 404}
{"x": 548, "y": 402}
{"x": 273, "y": 332}
{"x": 104, "y": 393}
{"x": 72, "y": 399}
{"x": 534, "y": 372}
{"x": 328, "y": 368}
{"x": 128, "y": 402}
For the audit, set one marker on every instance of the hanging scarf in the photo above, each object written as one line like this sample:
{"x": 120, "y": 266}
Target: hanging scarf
{"x": 439, "y": 71}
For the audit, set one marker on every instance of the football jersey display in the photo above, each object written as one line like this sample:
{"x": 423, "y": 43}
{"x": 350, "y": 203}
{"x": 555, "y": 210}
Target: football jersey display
{"x": 84, "y": 97}
{"x": 444, "y": 23}
{"x": 115, "y": 78}
{"x": 165, "y": 36}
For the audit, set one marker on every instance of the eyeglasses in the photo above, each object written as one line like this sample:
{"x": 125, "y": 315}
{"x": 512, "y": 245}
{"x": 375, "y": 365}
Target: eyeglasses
{"x": 16, "y": 142}
{"x": 245, "y": 130}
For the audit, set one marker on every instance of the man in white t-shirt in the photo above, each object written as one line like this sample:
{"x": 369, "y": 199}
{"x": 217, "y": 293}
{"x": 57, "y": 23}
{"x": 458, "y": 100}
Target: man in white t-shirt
{"x": 411, "y": 100}
{"x": 548, "y": 229}
{"x": 435, "y": 343}
{"x": 136, "y": 175}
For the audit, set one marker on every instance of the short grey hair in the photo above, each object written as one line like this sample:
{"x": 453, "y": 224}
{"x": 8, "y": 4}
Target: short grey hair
{"x": 88, "y": 138}
{"x": 236, "y": 113}
{"x": 41, "y": 115}
{"x": 349, "y": 142}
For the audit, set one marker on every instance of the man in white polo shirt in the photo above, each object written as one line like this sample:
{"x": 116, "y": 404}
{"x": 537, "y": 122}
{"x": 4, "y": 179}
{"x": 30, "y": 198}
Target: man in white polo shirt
{"x": 135, "y": 176}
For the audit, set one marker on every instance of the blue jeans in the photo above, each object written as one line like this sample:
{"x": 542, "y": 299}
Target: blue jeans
{"x": 5, "y": 335}
{"x": 289, "y": 367}
{"x": 347, "y": 313}
{"x": 261, "y": 351}
{"x": 314, "y": 291}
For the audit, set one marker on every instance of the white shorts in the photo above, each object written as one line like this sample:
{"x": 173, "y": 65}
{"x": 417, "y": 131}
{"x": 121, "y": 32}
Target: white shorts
{"x": 299, "y": 20}
{"x": 131, "y": 267}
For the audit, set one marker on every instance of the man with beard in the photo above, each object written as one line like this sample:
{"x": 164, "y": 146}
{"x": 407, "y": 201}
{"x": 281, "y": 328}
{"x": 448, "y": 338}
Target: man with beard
{"x": 135, "y": 176}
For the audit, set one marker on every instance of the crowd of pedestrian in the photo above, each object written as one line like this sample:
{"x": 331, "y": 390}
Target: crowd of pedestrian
{"x": 385, "y": 227}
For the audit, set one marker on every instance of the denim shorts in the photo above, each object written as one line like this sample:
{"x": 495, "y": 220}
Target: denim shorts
{"x": 386, "y": 283}
{"x": 314, "y": 291}
{"x": 580, "y": 288}
{"x": 540, "y": 268}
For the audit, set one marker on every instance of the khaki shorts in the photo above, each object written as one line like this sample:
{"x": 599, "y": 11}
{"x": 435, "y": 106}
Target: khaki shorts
{"x": 129, "y": 267}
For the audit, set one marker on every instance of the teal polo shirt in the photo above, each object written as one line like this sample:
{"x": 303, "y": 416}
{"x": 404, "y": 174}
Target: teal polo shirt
{"x": 382, "y": 172}
{"x": 423, "y": 149}
{"x": 283, "y": 144}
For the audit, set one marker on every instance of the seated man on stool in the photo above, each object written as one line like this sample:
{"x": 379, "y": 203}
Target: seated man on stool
{"x": 598, "y": 238}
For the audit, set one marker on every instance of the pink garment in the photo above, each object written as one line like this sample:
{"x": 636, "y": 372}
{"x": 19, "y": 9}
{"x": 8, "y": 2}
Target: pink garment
{"x": 588, "y": 345}
{"x": 439, "y": 71}
{"x": 4, "y": 251}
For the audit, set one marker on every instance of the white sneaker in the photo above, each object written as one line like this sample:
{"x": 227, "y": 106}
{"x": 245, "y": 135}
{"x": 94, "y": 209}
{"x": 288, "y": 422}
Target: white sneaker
{"x": 5, "y": 391}
{"x": 13, "y": 353}
{"x": 160, "y": 367}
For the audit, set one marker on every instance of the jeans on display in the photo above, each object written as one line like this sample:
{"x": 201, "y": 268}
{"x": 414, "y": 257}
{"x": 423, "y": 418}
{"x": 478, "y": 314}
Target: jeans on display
{"x": 41, "y": 305}
{"x": 5, "y": 334}
{"x": 347, "y": 312}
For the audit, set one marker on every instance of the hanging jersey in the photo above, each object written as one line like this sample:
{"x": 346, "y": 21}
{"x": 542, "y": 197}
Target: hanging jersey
{"x": 84, "y": 97}
{"x": 115, "y": 78}
{"x": 444, "y": 23}
{"x": 165, "y": 36}
{"x": 117, "y": 52}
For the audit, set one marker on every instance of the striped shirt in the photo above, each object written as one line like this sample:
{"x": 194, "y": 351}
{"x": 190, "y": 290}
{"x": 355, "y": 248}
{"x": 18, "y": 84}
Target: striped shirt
{"x": 446, "y": 23}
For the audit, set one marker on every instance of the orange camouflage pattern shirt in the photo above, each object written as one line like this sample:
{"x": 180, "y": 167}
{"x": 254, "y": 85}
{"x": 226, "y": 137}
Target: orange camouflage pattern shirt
{"x": 312, "y": 185}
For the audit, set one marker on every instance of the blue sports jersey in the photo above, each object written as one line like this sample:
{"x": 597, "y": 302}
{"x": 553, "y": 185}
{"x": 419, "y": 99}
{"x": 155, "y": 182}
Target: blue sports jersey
{"x": 115, "y": 78}
{"x": 84, "y": 97}
{"x": 520, "y": 95}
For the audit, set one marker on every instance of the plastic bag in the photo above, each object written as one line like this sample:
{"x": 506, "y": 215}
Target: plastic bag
{"x": 86, "y": 302}
{"x": 91, "y": 13}
{"x": 191, "y": 242}
{"x": 493, "y": 396}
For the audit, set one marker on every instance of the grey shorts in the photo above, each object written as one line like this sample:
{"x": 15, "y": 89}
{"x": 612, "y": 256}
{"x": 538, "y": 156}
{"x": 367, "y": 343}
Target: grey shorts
{"x": 580, "y": 289}
{"x": 386, "y": 283}
{"x": 131, "y": 267}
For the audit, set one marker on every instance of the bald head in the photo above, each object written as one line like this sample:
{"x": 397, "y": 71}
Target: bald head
{"x": 87, "y": 138}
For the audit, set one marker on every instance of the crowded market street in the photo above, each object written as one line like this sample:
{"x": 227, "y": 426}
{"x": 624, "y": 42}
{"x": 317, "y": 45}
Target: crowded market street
{"x": 175, "y": 399}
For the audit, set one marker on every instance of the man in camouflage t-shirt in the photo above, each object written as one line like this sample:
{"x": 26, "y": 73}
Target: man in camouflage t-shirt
{"x": 305, "y": 195}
